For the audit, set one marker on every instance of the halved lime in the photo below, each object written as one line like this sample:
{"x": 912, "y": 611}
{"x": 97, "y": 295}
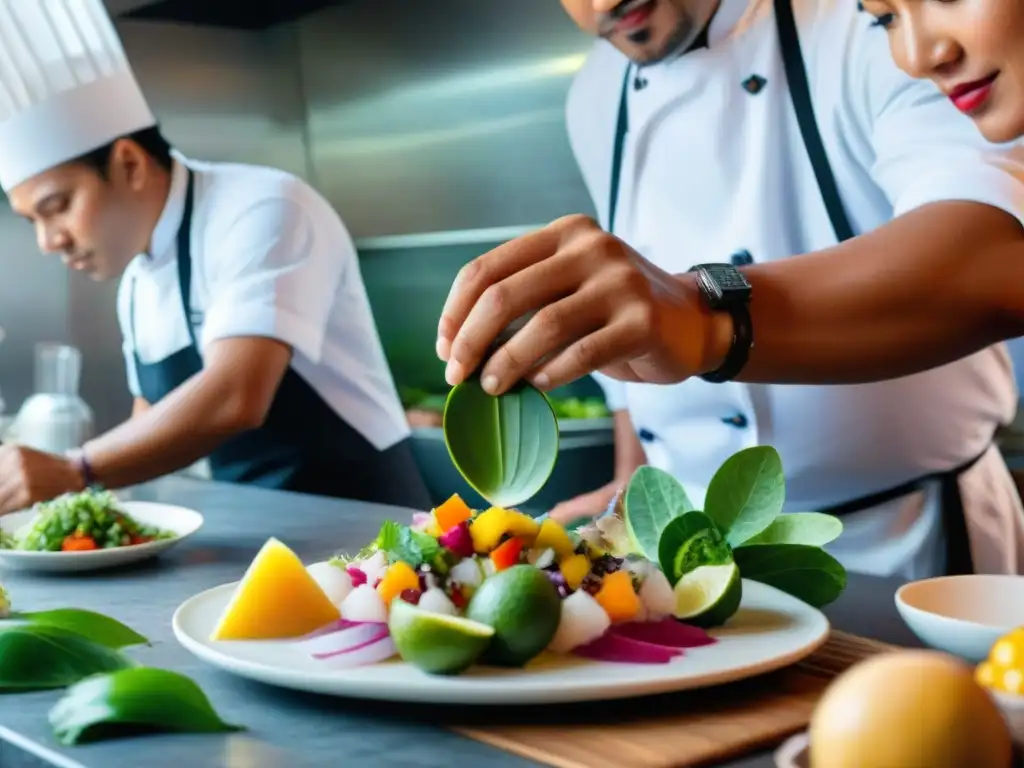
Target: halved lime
{"x": 435, "y": 642}
{"x": 709, "y": 595}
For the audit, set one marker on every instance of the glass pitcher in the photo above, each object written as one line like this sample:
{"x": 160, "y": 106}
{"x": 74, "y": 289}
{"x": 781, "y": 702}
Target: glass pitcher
{"x": 55, "y": 418}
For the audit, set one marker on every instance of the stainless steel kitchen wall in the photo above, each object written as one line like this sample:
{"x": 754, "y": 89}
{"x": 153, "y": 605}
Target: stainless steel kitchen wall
{"x": 221, "y": 95}
{"x": 439, "y": 116}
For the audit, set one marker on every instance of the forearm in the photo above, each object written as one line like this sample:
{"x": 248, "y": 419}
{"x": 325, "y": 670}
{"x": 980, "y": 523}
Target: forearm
{"x": 929, "y": 288}
{"x": 170, "y": 435}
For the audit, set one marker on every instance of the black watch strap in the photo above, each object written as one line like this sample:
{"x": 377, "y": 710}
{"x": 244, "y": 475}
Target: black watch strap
{"x": 725, "y": 289}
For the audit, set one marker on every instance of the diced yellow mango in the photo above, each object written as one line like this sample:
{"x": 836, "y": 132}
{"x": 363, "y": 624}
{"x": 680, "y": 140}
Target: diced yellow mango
{"x": 276, "y": 599}
{"x": 522, "y": 526}
{"x": 574, "y": 570}
{"x": 618, "y": 598}
{"x": 553, "y": 536}
{"x": 487, "y": 528}
{"x": 397, "y": 578}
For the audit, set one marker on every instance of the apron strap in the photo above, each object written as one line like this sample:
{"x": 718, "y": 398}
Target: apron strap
{"x": 800, "y": 93}
{"x": 621, "y": 129}
{"x": 185, "y": 258}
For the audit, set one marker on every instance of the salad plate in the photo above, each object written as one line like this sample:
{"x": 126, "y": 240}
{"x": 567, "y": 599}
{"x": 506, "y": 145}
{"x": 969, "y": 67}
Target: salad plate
{"x": 159, "y": 528}
{"x": 770, "y": 631}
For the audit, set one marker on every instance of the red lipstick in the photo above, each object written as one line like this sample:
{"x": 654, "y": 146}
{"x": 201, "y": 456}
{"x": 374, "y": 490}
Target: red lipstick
{"x": 970, "y": 97}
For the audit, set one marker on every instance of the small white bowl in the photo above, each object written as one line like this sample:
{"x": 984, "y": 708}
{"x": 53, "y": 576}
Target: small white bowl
{"x": 963, "y": 615}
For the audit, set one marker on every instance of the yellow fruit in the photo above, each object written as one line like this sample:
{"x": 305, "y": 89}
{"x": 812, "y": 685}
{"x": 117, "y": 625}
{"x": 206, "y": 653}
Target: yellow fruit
{"x": 276, "y": 599}
{"x": 399, "y": 577}
{"x": 1012, "y": 682}
{"x": 986, "y": 674}
{"x": 1008, "y": 651}
{"x": 553, "y": 536}
{"x": 908, "y": 708}
{"x": 574, "y": 570}
{"x": 488, "y": 527}
{"x": 618, "y": 598}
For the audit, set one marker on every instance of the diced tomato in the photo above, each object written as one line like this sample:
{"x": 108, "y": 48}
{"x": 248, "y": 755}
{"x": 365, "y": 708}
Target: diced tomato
{"x": 458, "y": 599}
{"x": 507, "y": 554}
{"x": 78, "y": 543}
{"x": 141, "y": 539}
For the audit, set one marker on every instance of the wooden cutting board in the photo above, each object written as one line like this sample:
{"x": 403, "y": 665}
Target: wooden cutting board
{"x": 694, "y": 728}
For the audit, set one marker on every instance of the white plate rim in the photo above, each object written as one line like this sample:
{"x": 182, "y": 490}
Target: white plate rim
{"x": 468, "y": 690}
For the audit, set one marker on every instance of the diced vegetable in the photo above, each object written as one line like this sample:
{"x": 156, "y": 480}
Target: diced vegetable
{"x": 467, "y": 573}
{"x": 583, "y": 621}
{"x": 489, "y": 527}
{"x": 363, "y": 604}
{"x": 436, "y": 601}
{"x": 451, "y": 513}
{"x": 345, "y": 635}
{"x": 553, "y": 536}
{"x": 507, "y": 554}
{"x": 398, "y": 578}
{"x": 458, "y": 540}
{"x": 624, "y": 650}
{"x": 372, "y": 652}
{"x": 656, "y": 596}
{"x": 669, "y": 633}
{"x": 358, "y": 575}
{"x": 78, "y": 543}
{"x": 541, "y": 558}
{"x": 334, "y": 581}
{"x": 374, "y": 567}
{"x": 574, "y": 570}
{"x": 617, "y": 597}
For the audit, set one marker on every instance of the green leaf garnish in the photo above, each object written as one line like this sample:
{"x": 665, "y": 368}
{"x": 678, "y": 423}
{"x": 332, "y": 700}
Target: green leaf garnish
{"x": 92, "y": 626}
{"x": 811, "y": 528}
{"x": 746, "y": 493}
{"x": 132, "y": 700}
{"x": 652, "y": 500}
{"x": 690, "y": 541}
{"x": 505, "y": 447}
{"x": 807, "y": 573}
{"x": 400, "y": 542}
{"x": 40, "y": 657}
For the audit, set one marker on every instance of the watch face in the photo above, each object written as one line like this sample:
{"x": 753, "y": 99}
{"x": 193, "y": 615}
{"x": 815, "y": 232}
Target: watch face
{"x": 728, "y": 277}
{"x": 723, "y": 284}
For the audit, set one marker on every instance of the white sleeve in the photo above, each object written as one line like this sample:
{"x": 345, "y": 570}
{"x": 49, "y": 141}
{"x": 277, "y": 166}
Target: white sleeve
{"x": 271, "y": 278}
{"x": 925, "y": 150}
{"x": 614, "y": 391}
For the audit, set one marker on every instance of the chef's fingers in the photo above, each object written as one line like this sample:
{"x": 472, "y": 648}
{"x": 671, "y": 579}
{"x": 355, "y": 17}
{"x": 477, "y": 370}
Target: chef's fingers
{"x": 548, "y": 332}
{"x": 608, "y": 349}
{"x": 488, "y": 270}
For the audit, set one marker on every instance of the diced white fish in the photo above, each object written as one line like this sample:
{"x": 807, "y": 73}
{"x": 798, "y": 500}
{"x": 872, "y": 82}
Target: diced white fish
{"x": 541, "y": 558}
{"x": 583, "y": 621}
{"x": 467, "y": 573}
{"x": 364, "y": 604}
{"x": 656, "y": 596}
{"x": 374, "y": 567}
{"x": 436, "y": 601}
{"x": 333, "y": 580}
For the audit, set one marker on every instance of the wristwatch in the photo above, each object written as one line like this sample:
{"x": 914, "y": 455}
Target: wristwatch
{"x": 725, "y": 289}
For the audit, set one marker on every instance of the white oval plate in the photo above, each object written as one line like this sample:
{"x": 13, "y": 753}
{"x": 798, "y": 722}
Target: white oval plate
{"x": 770, "y": 631}
{"x": 180, "y": 520}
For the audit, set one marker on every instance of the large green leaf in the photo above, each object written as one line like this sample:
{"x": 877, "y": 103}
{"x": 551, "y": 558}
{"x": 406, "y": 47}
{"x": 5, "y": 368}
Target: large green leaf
{"x": 92, "y": 626}
{"x": 131, "y": 700}
{"x": 811, "y": 528}
{"x": 747, "y": 493}
{"x": 652, "y": 500}
{"x": 505, "y": 447}
{"x": 808, "y": 573}
{"x": 42, "y": 657}
{"x": 688, "y": 542}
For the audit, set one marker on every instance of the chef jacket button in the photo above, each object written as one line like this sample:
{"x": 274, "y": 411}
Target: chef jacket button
{"x": 754, "y": 84}
{"x": 639, "y": 83}
{"x": 645, "y": 435}
{"x": 739, "y": 421}
{"x": 741, "y": 258}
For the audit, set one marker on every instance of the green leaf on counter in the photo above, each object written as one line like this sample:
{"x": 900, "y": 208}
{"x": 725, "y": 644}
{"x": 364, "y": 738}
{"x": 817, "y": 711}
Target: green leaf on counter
{"x": 805, "y": 572}
{"x": 746, "y": 493}
{"x": 688, "y": 542}
{"x": 505, "y": 447}
{"x": 652, "y": 500}
{"x": 811, "y": 528}
{"x": 130, "y": 701}
{"x": 92, "y": 626}
{"x": 39, "y": 657}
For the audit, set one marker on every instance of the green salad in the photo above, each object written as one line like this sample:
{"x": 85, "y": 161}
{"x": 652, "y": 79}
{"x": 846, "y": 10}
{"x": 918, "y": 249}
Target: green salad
{"x": 80, "y": 522}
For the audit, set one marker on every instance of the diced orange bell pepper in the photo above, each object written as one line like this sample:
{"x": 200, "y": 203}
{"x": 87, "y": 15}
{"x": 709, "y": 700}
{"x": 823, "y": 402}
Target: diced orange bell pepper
{"x": 507, "y": 555}
{"x": 618, "y": 597}
{"x": 399, "y": 577}
{"x": 452, "y": 512}
{"x": 78, "y": 543}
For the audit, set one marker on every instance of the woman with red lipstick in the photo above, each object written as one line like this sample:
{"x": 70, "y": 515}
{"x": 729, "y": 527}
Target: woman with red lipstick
{"x": 973, "y": 50}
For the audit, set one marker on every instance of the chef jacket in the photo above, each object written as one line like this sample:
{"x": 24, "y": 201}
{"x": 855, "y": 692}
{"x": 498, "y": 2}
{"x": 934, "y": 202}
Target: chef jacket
{"x": 714, "y": 168}
{"x": 270, "y": 258}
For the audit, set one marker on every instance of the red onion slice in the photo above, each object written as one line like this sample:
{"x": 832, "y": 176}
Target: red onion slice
{"x": 375, "y": 651}
{"x": 341, "y": 639}
{"x": 670, "y": 633}
{"x": 623, "y": 650}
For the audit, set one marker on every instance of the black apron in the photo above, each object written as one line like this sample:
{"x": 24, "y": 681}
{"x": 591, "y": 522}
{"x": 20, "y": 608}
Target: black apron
{"x": 958, "y": 552}
{"x": 303, "y": 445}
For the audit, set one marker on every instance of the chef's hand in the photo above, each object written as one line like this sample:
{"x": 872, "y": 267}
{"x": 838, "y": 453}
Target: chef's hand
{"x": 599, "y": 306}
{"x": 28, "y": 476}
{"x": 585, "y": 505}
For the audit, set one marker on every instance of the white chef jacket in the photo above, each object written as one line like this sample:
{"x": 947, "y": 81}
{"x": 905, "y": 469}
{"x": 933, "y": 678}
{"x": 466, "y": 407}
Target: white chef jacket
{"x": 270, "y": 258}
{"x": 712, "y": 169}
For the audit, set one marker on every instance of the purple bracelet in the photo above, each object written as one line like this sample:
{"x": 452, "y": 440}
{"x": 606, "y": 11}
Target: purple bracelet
{"x": 84, "y": 469}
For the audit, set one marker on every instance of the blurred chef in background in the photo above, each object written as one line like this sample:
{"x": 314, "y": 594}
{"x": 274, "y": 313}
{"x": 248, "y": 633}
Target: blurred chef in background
{"x": 247, "y": 332}
{"x": 724, "y": 136}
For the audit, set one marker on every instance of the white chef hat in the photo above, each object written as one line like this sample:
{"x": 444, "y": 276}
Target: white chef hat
{"x": 66, "y": 87}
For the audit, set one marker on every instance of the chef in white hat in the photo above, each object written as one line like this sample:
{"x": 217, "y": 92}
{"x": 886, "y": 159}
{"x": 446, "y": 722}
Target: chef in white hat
{"x": 248, "y": 336}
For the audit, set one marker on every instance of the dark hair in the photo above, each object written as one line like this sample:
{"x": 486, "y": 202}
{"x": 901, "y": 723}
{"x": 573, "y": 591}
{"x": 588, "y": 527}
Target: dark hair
{"x": 151, "y": 140}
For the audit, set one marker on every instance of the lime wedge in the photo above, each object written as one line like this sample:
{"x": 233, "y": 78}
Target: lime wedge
{"x": 435, "y": 642}
{"x": 709, "y": 595}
